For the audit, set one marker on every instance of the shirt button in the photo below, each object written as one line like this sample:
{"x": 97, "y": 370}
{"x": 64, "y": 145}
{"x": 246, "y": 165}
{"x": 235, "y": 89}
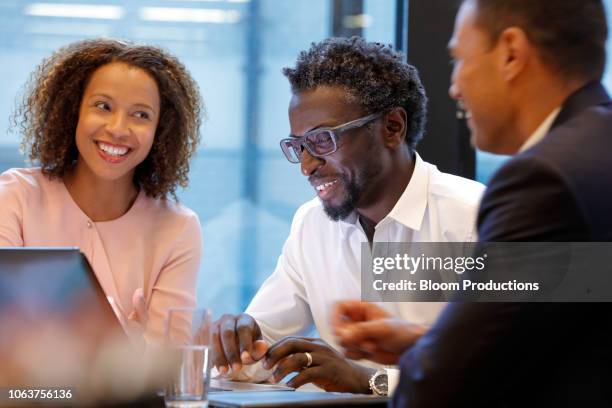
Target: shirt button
{"x": 88, "y": 224}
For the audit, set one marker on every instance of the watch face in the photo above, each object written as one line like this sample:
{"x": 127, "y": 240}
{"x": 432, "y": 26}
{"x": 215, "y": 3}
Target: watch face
{"x": 381, "y": 383}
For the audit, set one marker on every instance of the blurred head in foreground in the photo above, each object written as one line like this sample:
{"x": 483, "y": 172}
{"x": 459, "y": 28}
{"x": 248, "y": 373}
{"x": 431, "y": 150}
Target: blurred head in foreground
{"x": 515, "y": 61}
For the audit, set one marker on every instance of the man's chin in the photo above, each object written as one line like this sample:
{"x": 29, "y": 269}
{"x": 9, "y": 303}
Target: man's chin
{"x": 492, "y": 145}
{"x": 480, "y": 142}
{"x": 477, "y": 140}
{"x": 339, "y": 205}
{"x": 338, "y": 212}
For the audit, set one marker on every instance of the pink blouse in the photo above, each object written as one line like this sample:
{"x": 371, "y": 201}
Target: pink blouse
{"x": 155, "y": 246}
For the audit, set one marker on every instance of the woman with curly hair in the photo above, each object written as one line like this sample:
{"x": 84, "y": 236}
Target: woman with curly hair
{"x": 112, "y": 126}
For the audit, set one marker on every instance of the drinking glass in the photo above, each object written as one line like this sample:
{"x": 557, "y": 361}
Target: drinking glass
{"x": 187, "y": 341}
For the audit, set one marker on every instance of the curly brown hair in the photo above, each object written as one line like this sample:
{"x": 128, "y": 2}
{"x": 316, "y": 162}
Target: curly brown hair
{"x": 48, "y": 114}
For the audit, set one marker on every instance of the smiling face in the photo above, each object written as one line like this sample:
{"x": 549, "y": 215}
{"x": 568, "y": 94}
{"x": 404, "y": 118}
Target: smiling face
{"x": 346, "y": 179}
{"x": 118, "y": 117}
{"x": 477, "y": 81}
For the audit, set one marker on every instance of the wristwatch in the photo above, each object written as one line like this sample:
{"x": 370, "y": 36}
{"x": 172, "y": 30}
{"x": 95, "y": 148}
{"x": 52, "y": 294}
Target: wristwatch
{"x": 379, "y": 383}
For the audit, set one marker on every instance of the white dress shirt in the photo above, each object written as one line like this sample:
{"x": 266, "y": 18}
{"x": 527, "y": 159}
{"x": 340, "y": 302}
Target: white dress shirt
{"x": 541, "y": 131}
{"x": 320, "y": 261}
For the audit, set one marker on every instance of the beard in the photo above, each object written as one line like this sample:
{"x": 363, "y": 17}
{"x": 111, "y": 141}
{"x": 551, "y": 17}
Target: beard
{"x": 353, "y": 190}
{"x": 347, "y": 206}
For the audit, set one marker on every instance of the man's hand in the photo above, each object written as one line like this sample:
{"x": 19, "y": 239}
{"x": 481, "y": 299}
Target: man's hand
{"x": 329, "y": 369}
{"x": 236, "y": 340}
{"x": 367, "y": 331}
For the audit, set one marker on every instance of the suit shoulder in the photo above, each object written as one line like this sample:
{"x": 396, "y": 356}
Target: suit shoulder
{"x": 525, "y": 169}
{"x": 529, "y": 199}
{"x": 579, "y": 145}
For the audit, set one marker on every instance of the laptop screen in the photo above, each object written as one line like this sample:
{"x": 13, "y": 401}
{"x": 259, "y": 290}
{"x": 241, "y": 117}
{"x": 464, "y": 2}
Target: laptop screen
{"x": 54, "y": 315}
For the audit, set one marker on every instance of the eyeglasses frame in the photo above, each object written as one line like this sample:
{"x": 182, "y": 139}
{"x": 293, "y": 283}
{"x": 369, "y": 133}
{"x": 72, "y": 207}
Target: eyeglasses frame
{"x": 334, "y": 131}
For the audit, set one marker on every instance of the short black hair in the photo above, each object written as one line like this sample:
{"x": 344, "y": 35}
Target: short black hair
{"x": 570, "y": 34}
{"x": 374, "y": 76}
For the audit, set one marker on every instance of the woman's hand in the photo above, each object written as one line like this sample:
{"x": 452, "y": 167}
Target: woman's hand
{"x": 137, "y": 320}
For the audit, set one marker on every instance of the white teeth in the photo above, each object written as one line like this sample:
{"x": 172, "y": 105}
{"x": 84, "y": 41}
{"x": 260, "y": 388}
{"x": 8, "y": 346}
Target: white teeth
{"x": 113, "y": 150}
{"x": 322, "y": 187}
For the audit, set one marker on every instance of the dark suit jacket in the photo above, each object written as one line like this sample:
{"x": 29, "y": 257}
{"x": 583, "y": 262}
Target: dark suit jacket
{"x": 531, "y": 354}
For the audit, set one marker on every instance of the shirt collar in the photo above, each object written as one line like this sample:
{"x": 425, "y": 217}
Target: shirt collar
{"x": 541, "y": 131}
{"x": 410, "y": 208}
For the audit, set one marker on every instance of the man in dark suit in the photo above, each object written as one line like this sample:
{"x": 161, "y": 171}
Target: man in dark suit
{"x": 528, "y": 73}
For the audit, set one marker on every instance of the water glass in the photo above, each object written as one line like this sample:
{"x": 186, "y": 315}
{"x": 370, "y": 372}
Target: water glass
{"x": 187, "y": 342}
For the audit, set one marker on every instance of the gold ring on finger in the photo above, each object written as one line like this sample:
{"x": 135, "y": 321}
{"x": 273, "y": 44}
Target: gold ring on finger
{"x": 308, "y": 359}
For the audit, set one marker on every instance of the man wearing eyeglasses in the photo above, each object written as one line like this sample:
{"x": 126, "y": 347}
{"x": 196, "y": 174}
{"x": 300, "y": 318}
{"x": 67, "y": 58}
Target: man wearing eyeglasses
{"x": 356, "y": 114}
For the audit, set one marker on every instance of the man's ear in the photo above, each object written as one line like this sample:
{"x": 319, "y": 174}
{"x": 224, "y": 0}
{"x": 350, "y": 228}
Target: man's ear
{"x": 515, "y": 52}
{"x": 394, "y": 127}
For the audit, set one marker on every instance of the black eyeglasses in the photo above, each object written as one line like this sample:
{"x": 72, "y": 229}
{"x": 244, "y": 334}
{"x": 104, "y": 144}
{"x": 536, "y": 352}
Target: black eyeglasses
{"x": 320, "y": 142}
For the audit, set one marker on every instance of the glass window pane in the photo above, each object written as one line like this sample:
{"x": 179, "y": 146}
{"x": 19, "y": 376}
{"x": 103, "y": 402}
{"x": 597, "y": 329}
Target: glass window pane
{"x": 241, "y": 185}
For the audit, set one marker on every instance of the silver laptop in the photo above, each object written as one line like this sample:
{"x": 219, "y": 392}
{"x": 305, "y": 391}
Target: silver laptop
{"x": 274, "y": 399}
